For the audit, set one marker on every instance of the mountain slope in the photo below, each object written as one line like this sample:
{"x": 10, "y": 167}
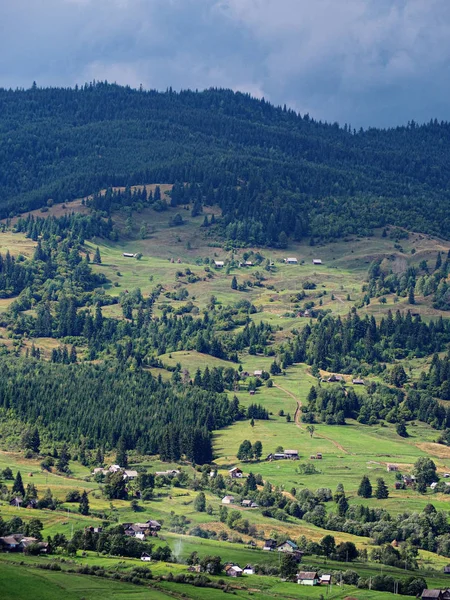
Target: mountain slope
{"x": 268, "y": 168}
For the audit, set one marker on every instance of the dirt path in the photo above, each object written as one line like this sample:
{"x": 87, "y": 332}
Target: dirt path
{"x": 298, "y": 423}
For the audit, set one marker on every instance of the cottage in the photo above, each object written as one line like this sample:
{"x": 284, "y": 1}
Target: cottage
{"x": 17, "y": 542}
{"x": 227, "y": 499}
{"x": 278, "y": 456}
{"x": 319, "y": 456}
{"x": 447, "y": 570}
{"x": 308, "y": 578}
{"x": 317, "y": 261}
{"x": 258, "y": 373}
{"x": 146, "y": 557}
{"x": 270, "y": 544}
{"x": 325, "y": 580}
{"x": 291, "y": 260}
{"x": 219, "y": 264}
{"x": 114, "y": 468}
{"x": 358, "y": 381}
{"x": 293, "y": 454}
{"x": 392, "y": 468}
{"x": 233, "y": 571}
{"x": 17, "y": 502}
{"x": 249, "y": 570}
{"x": 235, "y": 473}
{"x": 246, "y": 503}
{"x": 435, "y": 594}
{"x": 287, "y": 546}
{"x": 129, "y": 255}
{"x": 128, "y": 474}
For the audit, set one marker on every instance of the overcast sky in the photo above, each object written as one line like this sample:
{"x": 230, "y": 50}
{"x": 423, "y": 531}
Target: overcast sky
{"x": 362, "y": 62}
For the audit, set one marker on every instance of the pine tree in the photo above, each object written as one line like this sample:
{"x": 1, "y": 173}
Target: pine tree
{"x": 200, "y": 502}
{"x": 17, "y": 487}
{"x": 382, "y": 491}
{"x": 97, "y": 256}
{"x": 121, "y": 455}
{"x": 234, "y": 284}
{"x": 252, "y": 422}
{"x": 411, "y": 297}
{"x": 84, "y": 504}
{"x": 251, "y": 482}
{"x": 63, "y": 461}
{"x": 342, "y": 506}
{"x": 257, "y": 450}
{"x": 365, "y": 488}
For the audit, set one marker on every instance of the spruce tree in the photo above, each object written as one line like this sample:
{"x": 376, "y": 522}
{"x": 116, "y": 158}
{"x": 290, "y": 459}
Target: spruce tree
{"x": 84, "y": 504}
{"x": 234, "y": 284}
{"x": 257, "y": 450}
{"x": 411, "y": 297}
{"x": 17, "y": 487}
{"x": 365, "y": 488}
{"x": 97, "y": 256}
{"x": 200, "y": 502}
{"x": 251, "y": 482}
{"x": 121, "y": 455}
{"x": 382, "y": 491}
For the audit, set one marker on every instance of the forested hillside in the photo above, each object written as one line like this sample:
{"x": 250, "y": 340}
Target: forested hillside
{"x": 275, "y": 174}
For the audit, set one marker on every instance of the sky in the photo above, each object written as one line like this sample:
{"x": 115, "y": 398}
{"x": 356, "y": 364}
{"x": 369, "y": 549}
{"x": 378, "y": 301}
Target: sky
{"x": 362, "y": 62}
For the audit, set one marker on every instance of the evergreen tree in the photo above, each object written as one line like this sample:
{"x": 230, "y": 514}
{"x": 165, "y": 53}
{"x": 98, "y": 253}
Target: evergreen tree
{"x": 251, "y": 482}
{"x": 365, "y": 488}
{"x": 245, "y": 451}
{"x": 342, "y": 506}
{"x": 97, "y": 256}
{"x": 411, "y": 297}
{"x": 63, "y": 461}
{"x": 382, "y": 492}
{"x": 84, "y": 504}
{"x": 121, "y": 454}
{"x": 17, "y": 487}
{"x": 200, "y": 502}
{"x": 257, "y": 450}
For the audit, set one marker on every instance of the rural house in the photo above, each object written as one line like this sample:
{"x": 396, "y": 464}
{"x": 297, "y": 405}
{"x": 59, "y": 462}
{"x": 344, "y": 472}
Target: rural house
{"x": 317, "y": 261}
{"x": 227, "y": 499}
{"x": 436, "y": 594}
{"x": 291, "y": 261}
{"x": 219, "y": 264}
{"x": 249, "y": 570}
{"x": 235, "y": 473}
{"x": 325, "y": 580}
{"x": 233, "y": 571}
{"x": 308, "y": 578}
{"x": 293, "y": 454}
{"x": 392, "y": 468}
{"x": 258, "y": 373}
{"x": 129, "y": 255}
{"x": 129, "y": 474}
{"x": 358, "y": 381}
{"x": 270, "y": 544}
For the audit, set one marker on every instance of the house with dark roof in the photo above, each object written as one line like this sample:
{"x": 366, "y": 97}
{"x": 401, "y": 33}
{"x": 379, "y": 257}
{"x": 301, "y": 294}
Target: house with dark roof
{"x": 270, "y": 544}
{"x": 308, "y": 578}
{"x": 435, "y": 594}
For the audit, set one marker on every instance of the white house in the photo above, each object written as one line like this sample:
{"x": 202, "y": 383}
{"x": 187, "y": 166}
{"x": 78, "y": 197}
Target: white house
{"x": 233, "y": 571}
{"x": 227, "y": 499}
{"x": 325, "y": 580}
{"x": 317, "y": 261}
{"x": 129, "y": 255}
{"x": 258, "y": 373}
{"x": 291, "y": 260}
{"x": 308, "y": 578}
{"x": 249, "y": 570}
{"x": 219, "y": 264}
{"x": 114, "y": 468}
{"x": 129, "y": 474}
{"x": 146, "y": 557}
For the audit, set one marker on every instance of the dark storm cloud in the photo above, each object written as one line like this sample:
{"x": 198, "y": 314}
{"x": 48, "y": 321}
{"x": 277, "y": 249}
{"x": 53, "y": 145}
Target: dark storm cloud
{"x": 364, "y": 62}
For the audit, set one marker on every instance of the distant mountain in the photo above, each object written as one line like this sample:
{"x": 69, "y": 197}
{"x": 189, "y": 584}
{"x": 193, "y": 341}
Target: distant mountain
{"x": 274, "y": 173}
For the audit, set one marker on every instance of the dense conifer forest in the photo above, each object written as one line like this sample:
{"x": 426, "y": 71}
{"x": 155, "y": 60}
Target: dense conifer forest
{"x": 274, "y": 173}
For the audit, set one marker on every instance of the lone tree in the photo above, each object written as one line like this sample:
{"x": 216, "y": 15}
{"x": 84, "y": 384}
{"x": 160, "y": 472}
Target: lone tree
{"x": 97, "y": 257}
{"x": 365, "y": 488}
{"x": 328, "y": 545}
{"x": 401, "y": 429}
{"x": 17, "y": 487}
{"x": 425, "y": 472}
{"x": 200, "y": 502}
{"x": 257, "y": 450}
{"x": 84, "y": 504}
{"x": 310, "y": 429}
{"x": 234, "y": 284}
{"x": 289, "y": 566}
{"x": 382, "y": 491}
{"x": 245, "y": 451}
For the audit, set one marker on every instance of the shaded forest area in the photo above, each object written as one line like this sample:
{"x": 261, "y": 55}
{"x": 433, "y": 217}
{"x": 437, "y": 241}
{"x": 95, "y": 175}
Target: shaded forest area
{"x": 275, "y": 174}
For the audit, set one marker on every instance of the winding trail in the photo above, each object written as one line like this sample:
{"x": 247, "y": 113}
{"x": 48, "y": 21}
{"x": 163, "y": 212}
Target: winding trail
{"x": 298, "y": 422}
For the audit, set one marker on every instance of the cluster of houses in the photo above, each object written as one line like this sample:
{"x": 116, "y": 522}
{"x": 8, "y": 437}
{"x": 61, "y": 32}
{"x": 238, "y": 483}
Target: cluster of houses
{"x": 339, "y": 378}
{"x": 141, "y": 531}
{"x": 128, "y": 474}
{"x": 17, "y": 542}
{"x": 291, "y": 260}
{"x": 286, "y": 454}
